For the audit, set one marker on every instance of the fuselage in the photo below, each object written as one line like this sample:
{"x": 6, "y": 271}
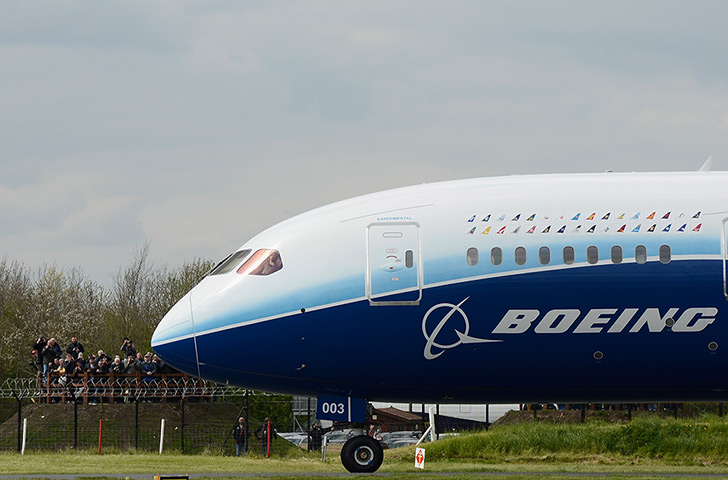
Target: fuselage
{"x": 558, "y": 288}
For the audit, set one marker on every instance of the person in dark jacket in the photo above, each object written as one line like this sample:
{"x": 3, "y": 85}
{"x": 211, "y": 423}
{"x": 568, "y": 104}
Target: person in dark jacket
{"x": 101, "y": 355}
{"x": 69, "y": 364}
{"x": 80, "y": 366}
{"x": 148, "y": 367}
{"x": 241, "y": 434}
{"x": 117, "y": 366}
{"x": 131, "y": 365}
{"x": 49, "y": 353}
{"x": 128, "y": 348}
{"x": 262, "y": 434}
{"x": 316, "y": 434}
{"x": 38, "y": 347}
{"x": 74, "y": 348}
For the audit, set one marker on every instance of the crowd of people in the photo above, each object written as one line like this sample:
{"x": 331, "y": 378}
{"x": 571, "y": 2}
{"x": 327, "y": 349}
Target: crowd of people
{"x": 51, "y": 361}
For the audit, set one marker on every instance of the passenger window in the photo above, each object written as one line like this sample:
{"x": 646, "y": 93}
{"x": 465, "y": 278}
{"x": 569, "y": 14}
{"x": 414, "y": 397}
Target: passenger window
{"x": 665, "y": 253}
{"x": 496, "y": 256}
{"x": 640, "y": 254}
{"x": 263, "y": 262}
{"x": 616, "y": 254}
{"x": 544, "y": 255}
{"x": 472, "y": 256}
{"x": 520, "y": 255}
{"x": 230, "y": 262}
{"x": 568, "y": 255}
{"x": 592, "y": 254}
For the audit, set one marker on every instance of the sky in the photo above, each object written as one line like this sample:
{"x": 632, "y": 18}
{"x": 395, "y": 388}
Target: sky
{"x": 195, "y": 125}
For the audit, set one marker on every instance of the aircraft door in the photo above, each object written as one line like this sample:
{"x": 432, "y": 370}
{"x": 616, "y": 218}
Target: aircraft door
{"x": 394, "y": 266}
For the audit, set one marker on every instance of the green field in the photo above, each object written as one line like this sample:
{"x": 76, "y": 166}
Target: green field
{"x": 647, "y": 447}
{"x": 398, "y": 464}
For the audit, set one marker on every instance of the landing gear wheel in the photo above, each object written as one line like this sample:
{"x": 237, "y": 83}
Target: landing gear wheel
{"x": 362, "y": 454}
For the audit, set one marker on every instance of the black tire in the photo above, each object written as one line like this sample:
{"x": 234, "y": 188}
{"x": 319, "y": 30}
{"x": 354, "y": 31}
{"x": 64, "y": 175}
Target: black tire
{"x": 362, "y": 454}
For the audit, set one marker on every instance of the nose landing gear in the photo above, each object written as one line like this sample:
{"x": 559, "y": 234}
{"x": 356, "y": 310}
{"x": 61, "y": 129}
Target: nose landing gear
{"x": 362, "y": 454}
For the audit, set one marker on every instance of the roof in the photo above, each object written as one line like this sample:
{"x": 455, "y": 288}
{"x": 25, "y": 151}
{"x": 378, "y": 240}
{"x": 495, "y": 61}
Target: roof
{"x": 398, "y": 415}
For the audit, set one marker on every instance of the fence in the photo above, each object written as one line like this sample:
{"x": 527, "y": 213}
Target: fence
{"x": 124, "y": 412}
{"x": 181, "y": 427}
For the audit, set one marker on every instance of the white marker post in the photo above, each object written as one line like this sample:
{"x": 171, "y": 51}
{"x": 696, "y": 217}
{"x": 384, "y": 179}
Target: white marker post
{"x": 161, "y": 437}
{"x": 25, "y": 430}
{"x": 433, "y": 433}
{"x": 420, "y": 458}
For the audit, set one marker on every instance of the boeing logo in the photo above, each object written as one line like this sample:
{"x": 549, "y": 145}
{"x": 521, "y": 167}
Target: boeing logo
{"x": 558, "y": 321}
{"x": 449, "y": 310}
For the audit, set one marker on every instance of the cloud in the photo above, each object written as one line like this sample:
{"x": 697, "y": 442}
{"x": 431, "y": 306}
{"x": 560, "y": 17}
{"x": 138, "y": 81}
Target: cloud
{"x": 196, "y": 125}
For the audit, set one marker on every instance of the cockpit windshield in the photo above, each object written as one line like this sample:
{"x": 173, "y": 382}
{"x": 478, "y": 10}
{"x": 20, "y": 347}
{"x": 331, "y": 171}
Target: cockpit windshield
{"x": 232, "y": 261}
{"x": 262, "y": 262}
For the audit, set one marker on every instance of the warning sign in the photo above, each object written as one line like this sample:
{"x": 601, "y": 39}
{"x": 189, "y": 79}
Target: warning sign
{"x": 420, "y": 458}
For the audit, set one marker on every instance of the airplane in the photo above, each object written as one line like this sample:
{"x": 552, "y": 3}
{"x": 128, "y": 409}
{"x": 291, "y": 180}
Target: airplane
{"x": 559, "y": 288}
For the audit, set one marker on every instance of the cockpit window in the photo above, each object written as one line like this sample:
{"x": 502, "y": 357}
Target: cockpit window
{"x": 262, "y": 262}
{"x": 232, "y": 261}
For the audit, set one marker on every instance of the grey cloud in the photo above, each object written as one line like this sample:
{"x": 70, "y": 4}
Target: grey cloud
{"x": 196, "y": 125}
{"x": 96, "y": 25}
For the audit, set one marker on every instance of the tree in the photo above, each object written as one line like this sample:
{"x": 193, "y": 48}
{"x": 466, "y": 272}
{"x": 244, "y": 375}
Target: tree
{"x": 62, "y": 304}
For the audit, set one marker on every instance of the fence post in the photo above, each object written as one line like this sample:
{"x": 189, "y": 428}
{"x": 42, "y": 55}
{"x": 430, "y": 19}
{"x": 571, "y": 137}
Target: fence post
{"x": 25, "y": 430}
{"x": 182, "y": 429}
{"x": 161, "y": 437}
{"x": 85, "y": 388}
{"x": 20, "y": 413}
{"x": 75, "y": 422}
{"x": 101, "y": 429}
{"x": 308, "y": 423}
{"x": 247, "y": 423}
{"x": 136, "y": 424}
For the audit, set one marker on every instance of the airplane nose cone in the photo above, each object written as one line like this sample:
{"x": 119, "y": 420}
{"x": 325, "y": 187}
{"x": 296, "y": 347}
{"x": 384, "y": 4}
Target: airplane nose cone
{"x": 173, "y": 339}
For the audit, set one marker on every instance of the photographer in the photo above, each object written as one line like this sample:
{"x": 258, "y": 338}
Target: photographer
{"x": 69, "y": 364}
{"x": 38, "y": 346}
{"x": 128, "y": 348}
{"x": 117, "y": 366}
{"x": 80, "y": 367}
{"x": 49, "y": 353}
{"x": 131, "y": 365}
{"x": 74, "y": 348}
{"x": 101, "y": 355}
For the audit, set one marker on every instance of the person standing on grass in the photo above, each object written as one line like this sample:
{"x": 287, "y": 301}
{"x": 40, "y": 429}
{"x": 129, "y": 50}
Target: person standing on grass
{"x": 263, "y": 432}
{"x": 241, "y": 434}
{"x": 316, "y": 435}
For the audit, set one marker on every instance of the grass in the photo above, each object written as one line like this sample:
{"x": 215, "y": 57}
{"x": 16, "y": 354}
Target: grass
{"x": 647, "y": 446}
{"x": 701, "y": 441}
